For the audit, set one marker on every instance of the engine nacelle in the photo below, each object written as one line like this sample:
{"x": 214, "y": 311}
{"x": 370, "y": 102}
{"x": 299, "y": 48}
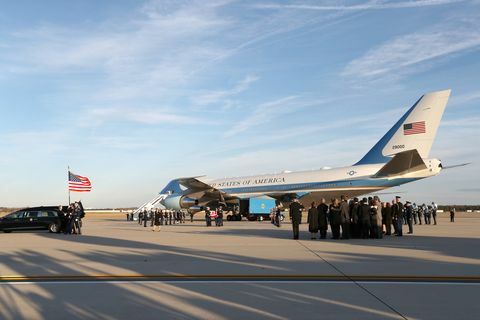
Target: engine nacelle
{"x": 179, "y": 202}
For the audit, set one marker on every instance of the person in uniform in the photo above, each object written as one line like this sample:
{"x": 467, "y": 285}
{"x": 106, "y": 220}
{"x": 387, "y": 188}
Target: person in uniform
{"x": 397, "y": 211}
{"x": 345, "y": 217}
{"x": 77, "y": 216}
{"x": 434, "y": 212}
{"x": 419, "y": 214}
{"x": 322, "y": 210}
{"x": 387, "y": 218}
{"x": 414, "y": 213}
{"x": 220, "y": 216}
{"x": 312, "y": 221}
{"x": 208, "y": 218}
{"x": 296, "y": 217}
{"x": 69, "y": 219}
{"x": 278, "y": 216}
{"x": 408, "y": 215}
{"x": 335, "y": 218}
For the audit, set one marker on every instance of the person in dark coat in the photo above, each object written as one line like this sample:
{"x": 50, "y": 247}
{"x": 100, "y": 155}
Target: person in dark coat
{"x": 322, "y": 210}
{"x": 335, "y": 218}
{"x": 296, "y": 217}
{"x": 312, "y": 220}
{"x": 364, "y": 215}
{"x": 156, "y": 219}
{"x": 355, "y": 219}
{"x": 387, "y": 218}
{"x": 397, "y": 211}
{"x": 345, "y": 216}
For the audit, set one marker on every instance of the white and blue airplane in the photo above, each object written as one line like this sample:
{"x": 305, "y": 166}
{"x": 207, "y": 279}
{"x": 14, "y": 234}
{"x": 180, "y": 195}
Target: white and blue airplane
{"x": 400, "y": 156}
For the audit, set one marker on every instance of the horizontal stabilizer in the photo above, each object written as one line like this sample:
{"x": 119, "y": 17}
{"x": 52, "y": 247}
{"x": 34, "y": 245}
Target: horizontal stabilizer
{"x": 402, "y": 163}
{"x": 456, "y": 166}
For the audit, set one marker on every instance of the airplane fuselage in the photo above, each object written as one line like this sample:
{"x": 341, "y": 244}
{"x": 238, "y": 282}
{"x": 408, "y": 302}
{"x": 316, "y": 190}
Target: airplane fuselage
{"x": 316, "y": 184}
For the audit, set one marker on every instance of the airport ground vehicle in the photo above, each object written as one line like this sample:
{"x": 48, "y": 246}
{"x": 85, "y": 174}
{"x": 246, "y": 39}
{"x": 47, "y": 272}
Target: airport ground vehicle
{"x": 36, "y": 218}
{"x": 257, "y": 208}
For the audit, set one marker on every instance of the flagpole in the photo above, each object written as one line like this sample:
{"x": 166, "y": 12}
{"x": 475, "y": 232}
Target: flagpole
{"x": 68, "y": 185}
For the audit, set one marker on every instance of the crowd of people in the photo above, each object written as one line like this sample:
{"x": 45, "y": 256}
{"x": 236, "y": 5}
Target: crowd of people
{"x": 156, "y": 217}
{"x": 368, "y": 218}
{"x": 361, "y": 219}
{"x": 71, "y": 218}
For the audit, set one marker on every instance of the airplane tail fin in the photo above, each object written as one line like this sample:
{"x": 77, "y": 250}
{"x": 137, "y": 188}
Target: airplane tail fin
{"x": 415, "y": 130}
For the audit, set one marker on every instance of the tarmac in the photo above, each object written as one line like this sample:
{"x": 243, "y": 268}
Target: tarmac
{"x": 120, "y": 270}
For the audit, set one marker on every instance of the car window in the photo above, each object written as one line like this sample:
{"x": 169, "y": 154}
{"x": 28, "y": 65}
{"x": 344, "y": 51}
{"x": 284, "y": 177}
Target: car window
{"x": 18, "y": 214}
{"x": 42, "y": 214}
{"x": 52, "y": 214}
{"x": 31, "y": 214}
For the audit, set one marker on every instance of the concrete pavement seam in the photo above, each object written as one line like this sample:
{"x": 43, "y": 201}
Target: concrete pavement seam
{"x": 354, "y": 281}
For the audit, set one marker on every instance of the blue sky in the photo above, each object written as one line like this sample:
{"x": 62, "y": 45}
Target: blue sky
{"x": 135, "y": 93}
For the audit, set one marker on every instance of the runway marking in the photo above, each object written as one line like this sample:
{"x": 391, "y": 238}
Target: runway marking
{"x": 246, "y": 278}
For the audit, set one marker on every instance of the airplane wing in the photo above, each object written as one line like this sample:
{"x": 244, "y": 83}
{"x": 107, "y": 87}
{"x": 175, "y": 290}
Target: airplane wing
{"x": 203, "y": 192}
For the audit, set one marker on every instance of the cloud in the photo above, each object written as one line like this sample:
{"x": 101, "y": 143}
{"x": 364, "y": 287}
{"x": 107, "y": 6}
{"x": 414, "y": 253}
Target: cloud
{"x": 404, "y": 54}
{"x": 270, "y": 110}
{"x": 139, "y": 115}
{"x": 370, "y": 5}
{"x": 220, "y": 95}
{"x": 466, "y": 98}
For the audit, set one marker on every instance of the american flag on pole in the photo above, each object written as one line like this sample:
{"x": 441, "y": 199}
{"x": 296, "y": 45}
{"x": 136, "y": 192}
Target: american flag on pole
{"x": 414, "y": 128}
{"x": 78, "y": 183}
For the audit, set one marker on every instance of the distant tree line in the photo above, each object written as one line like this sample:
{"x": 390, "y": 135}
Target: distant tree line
{"x": 460, "y": 207}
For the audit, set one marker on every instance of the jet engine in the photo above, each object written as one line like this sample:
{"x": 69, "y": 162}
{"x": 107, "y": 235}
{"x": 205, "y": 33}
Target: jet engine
{"x": 179, "y": 202}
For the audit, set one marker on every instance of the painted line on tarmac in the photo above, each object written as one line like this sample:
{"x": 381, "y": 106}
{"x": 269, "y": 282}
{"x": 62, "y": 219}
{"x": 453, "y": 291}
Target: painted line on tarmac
{"x": 246, "y": 278}
{"x": 231, "y": 282}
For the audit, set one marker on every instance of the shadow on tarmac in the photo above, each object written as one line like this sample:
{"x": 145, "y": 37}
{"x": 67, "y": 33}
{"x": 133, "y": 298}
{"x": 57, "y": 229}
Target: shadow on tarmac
{"x": 171, "y": 300}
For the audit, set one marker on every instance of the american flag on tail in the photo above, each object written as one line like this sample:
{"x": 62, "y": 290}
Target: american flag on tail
{"x": 78, "y": 183}
{"x": 414, "y": 128}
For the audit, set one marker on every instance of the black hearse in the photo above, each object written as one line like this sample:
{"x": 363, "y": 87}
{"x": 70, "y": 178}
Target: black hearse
{"x": 37, "y": 218}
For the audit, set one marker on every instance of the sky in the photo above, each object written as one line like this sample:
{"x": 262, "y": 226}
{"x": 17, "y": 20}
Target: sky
{"x": 134, "y": 93}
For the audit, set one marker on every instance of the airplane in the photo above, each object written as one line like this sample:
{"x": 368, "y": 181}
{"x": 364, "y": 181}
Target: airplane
{"x": 400, "y": 156}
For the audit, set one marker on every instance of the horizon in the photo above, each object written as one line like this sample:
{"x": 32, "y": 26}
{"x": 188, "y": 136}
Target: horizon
{"x": 137, "y": 93}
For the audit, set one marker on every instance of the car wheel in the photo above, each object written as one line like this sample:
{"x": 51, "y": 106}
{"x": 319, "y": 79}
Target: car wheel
{"x": 54, "y": 228}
